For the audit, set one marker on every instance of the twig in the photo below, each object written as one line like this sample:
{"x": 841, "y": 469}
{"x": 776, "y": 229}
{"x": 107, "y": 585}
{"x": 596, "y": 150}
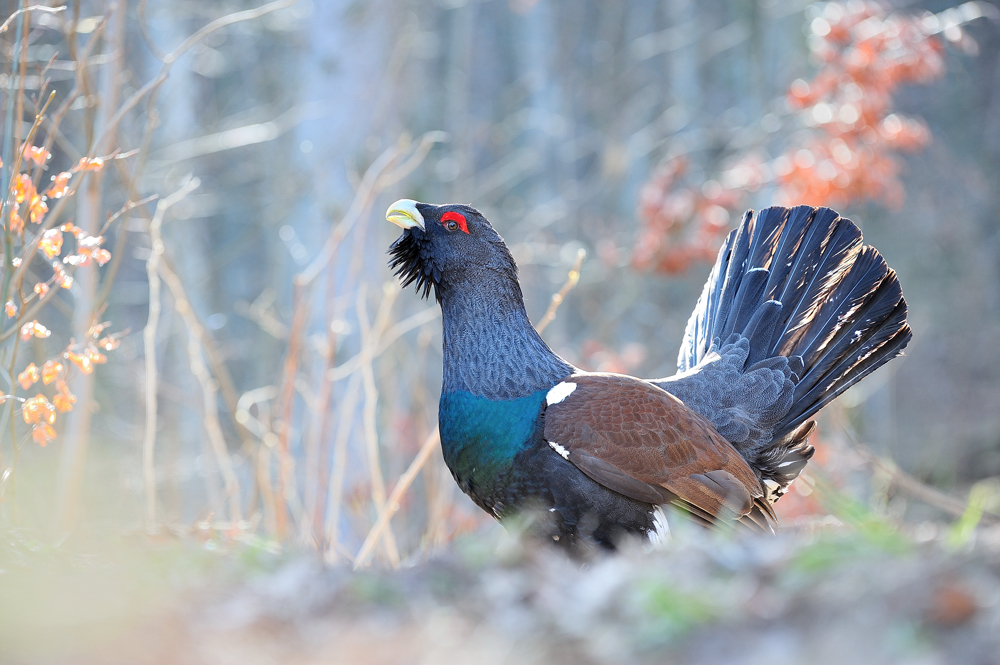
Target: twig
{"x": 32, "y": 8}
{"x": 209, "y": 388}
{"x": 392, "y": 505}
{"x": 351, "y": 365}
{"x": 557, "y": 298}
{"x": 28, "y": 253}
{"x": 369, "y": 338}
{"x": 239, "y": 137}
{"x": 300, "y": 316}
{"x": 170, "y": 58}
{"x": 149, "y": 346}
{"x": 125, "y": 208}
{"x": 300, "y": 309}
{"x": 336, "y": 490}
{"x": 381, "y": 170}
{"x": 140, "y": 12}
{"x": 371, "y": 184}
{"x": 10, "y": 186}
{"x": 901, "y": 479}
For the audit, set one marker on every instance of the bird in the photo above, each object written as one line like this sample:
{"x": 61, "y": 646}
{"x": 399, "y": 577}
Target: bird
{"x": 795, "y": 310}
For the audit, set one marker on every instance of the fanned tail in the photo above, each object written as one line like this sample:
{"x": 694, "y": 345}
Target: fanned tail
{"x": 799, "y": 283}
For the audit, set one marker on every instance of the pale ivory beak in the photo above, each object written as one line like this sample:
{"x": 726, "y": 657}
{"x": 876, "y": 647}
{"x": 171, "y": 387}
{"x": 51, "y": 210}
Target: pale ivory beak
{"x": 404, "y": 214}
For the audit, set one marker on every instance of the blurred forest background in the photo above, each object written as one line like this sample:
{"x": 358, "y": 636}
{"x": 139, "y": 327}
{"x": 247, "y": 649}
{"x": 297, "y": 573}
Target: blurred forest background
{"x": 209, "y": 178}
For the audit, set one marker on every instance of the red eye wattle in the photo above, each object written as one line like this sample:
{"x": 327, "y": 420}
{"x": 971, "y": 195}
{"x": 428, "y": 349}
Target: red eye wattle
{"x": 452, "y": 216}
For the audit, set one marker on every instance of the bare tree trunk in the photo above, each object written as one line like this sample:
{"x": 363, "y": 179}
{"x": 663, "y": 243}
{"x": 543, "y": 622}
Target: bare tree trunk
{"x": 74, "y": 452}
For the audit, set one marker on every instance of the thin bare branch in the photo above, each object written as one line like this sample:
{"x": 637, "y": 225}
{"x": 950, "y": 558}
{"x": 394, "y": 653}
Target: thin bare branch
{"x": 336, "y": 489}
{"x": 170, "y": 58}
{"x": 369, "y": 339}
{"x": 557, "y": 298}
{"x": 392, "y": 505}
{"x": 209, "y": 387}
{"x": 25, "y": 10}
{"x": 149, "y": 346}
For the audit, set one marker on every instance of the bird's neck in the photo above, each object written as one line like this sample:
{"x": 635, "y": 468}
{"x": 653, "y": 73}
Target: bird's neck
{"x": 491, "y": 349}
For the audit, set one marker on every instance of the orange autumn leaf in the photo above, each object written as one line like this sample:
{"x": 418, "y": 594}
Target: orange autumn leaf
{"x": 109, "y": 343}
{"x": 51, "y": 243}
{"x": 37, "y": 209}
{"x": 97, "y": 328}
{"x": 28, "y": 376}
{"x": 24, "y": 188}
{"x": 16, "y": 222}
{"x": 51, "y": 370}
{"x": 95, "y": 356}
{"x": 43, "y": 433}
{"x": 64, "y": 399}
{"x": 62, "y": 278}
{"x": 10, "y": 309}
{"x": 38, "y": 409}
{"x": 85, "y": 164}
{"x": 82, "y": 361}
{"x": 86, "y": 246}
{"x": 64, "y": 402}
{"x": 34, "y": 328}
{"x": 60, "y": 183}
{"x": 37, "y": 155}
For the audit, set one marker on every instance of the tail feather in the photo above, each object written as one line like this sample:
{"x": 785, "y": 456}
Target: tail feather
{"x": 759, "y": 330}
{"x": 698, "y": 336}
{"x": 867, "y": 273}
{"x": 862, "y": 330}
{"x": 860, "y": 361}
{"x": 799, "y": 283}
{"x": 735, "y": 269}
{"x": 819, "y": 267}
{"x": 746, "y": 302}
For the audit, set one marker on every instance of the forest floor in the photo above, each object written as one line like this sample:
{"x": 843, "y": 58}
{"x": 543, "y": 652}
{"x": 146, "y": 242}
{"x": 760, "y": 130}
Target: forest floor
{"x": 824, "y": 593}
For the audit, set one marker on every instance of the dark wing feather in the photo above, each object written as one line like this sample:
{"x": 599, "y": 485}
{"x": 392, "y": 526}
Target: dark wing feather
{"x": 641, "y": 441}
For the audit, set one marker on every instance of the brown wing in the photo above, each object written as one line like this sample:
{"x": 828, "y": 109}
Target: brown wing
{"x": 639, "y": 440}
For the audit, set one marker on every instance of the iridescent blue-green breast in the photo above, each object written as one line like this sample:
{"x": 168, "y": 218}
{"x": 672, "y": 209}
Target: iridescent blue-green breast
{"x": 481, "y": 437}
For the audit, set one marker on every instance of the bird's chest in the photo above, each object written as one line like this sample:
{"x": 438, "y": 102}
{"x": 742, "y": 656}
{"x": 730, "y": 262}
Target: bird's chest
{"x": 481, "y": 437}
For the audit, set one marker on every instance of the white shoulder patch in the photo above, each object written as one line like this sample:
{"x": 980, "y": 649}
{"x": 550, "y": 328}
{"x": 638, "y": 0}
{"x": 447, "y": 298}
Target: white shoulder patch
{"x": 559, "y": 449}
{"x": 559, "y": 392}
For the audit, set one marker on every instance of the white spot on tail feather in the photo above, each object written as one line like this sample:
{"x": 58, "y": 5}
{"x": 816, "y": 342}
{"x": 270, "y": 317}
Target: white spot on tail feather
{"x": 559, "y": 392}
{"x": 559, "y": 449}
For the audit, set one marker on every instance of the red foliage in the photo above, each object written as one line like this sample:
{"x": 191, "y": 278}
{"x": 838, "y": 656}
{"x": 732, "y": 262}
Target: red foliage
{"x": 866, "y": 56}
{"x": 845, "y": 152}
{"x": 682, "y": 223}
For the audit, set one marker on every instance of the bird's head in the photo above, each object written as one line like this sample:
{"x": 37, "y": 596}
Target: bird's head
{"x": 446, "y": 246}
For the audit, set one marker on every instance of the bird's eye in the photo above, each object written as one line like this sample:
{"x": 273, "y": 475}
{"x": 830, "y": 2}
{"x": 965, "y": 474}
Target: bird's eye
{"x": 453, "y": 221}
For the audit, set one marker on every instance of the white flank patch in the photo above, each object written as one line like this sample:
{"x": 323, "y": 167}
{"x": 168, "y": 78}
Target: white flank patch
{"x": 660, "y": 534}
{"x": 559, "y": 449}
{"x": 559, "y": 392}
